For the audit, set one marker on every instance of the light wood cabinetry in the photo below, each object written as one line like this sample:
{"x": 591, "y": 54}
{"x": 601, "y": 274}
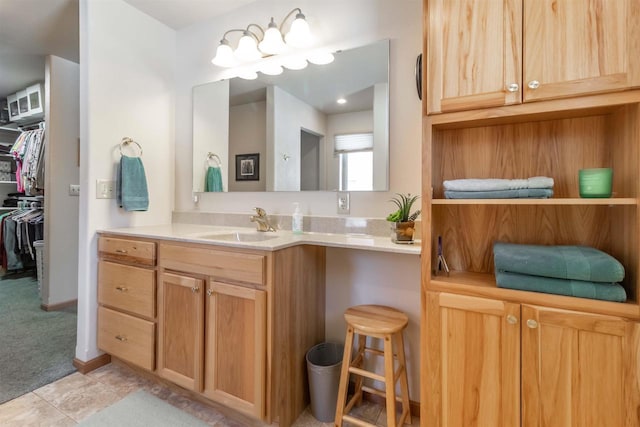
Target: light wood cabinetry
{"x": 491, "y": 53}
{"x": 127, "y": 297}
{"x": 493, "y": 362}
{"x": 576, "y": 354}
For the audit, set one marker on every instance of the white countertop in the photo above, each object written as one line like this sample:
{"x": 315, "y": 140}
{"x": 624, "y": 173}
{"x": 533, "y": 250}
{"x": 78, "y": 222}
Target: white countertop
{"x": 281, "y": 239}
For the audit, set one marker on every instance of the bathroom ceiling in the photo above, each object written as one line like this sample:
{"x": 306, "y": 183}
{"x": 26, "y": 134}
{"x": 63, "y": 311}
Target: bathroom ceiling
{"x": 31, "y": 29}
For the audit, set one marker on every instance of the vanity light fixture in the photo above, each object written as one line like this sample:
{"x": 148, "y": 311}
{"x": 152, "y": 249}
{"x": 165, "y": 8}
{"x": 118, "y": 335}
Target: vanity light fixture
{"x": 251, "y": 47}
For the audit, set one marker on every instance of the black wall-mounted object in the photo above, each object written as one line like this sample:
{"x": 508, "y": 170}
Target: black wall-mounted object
{"x": 419, "y": 76}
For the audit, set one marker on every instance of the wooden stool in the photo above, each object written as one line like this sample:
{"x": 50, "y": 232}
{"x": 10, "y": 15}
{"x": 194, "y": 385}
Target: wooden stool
{"x": 382, "y": 322}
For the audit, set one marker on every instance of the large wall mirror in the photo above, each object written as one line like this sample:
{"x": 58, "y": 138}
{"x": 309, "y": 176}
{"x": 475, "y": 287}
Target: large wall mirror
{"x": 291, "y": 133}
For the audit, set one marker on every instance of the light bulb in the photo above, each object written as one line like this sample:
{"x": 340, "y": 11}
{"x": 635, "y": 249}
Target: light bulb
{"x": 321, "y": 58}
{"x": 271, "y": 69}
{"x": 247, "y": 49}
{"x": 299, "y": 34}
{"x": 248, "y": 75}
{"x": 272, "y": 43}
{"x": 295, "y": 63}
{"x": 224, "y": 55}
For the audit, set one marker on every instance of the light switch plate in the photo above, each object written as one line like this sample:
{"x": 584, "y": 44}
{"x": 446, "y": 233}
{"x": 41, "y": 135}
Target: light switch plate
{"x": 343, "y": 202}
{"x": 105, "y": 189}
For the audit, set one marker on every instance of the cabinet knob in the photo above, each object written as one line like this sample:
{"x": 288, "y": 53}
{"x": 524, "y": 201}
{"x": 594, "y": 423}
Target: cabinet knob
{"x": 121, "y": 338}
{"x": 511, "y": 319}
{"x": 121, "y": 251}
{"x": 534, "y": 84}
{"x": 121, "y": 289}
{"x": 195, "y": 289}
{"x": 532, "y": 324}
{"x": 209, "y": 292}
{"x": 513, "y": 87}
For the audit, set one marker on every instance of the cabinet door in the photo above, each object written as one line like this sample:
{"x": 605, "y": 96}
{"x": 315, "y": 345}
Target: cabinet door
{"x": 236, "y": 347}
{"x": 472, "y": 361}
{"x": 181, "y": 330}
{"x": 578, "y": 47}
{"x": 474, "y": 54}
{"x": 579, "y": 369}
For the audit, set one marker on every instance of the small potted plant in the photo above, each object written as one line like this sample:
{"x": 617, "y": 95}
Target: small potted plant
{"x": 403, "y": 220}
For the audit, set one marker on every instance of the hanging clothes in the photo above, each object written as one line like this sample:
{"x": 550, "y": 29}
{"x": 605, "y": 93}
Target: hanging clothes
{"x": 20, "y": 229}
{"x": 28, "y": 151}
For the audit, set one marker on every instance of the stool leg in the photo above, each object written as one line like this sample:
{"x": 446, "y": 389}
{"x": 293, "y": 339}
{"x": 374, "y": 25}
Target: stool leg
{"x": 390, "y": 386}
{"x": 362, "y": 339}
{"x": 344, "y": 377}
{"x": 404, "y": 385}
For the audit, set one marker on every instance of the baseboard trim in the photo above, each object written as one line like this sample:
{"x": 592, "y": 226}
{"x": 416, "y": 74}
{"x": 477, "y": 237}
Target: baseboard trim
{"x": 90, "y": 365}
{"x": 59, "y": 306}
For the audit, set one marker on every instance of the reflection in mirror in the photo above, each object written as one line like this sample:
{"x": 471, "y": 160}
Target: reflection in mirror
{"x": 322, "y": 128}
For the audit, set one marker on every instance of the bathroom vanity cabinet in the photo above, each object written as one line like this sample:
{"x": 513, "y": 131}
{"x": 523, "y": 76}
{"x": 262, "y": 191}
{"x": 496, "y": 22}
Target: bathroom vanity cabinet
{"x": 233, "y": 325}
{"x": 495, "y": 356}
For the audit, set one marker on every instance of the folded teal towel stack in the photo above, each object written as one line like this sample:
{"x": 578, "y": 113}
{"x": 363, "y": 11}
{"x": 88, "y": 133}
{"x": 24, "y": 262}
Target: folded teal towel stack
{"x": 538, "y": 187}
{"x": 566, "y": 270}
{"x": 131, "y": 185}
{"x": 213, "y": 180}
{"x": 524, "y": 193}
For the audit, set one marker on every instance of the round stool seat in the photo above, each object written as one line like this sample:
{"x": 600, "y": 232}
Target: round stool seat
{"x": 376, "y": 319}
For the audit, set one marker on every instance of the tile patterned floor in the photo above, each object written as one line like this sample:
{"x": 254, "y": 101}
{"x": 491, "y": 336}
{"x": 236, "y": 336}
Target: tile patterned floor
{"x": 74, "y": 398}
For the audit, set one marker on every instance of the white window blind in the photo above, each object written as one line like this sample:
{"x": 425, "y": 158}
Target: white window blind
{"x": 349, "y": 143}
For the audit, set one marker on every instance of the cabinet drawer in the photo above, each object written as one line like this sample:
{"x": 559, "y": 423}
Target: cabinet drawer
{"x": 126, "y": 337}
{"x": 127, "y": 288}
{"x": 233, "y": 266}
{"x": 127, "y": 250}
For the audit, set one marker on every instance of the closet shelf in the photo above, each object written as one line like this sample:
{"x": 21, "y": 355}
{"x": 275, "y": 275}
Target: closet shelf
{"x": 8, "y": 182}
{"x": 552, "y": 201}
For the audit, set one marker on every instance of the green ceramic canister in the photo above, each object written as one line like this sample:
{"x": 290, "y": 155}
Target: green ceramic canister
{"x": 595, "y": 182}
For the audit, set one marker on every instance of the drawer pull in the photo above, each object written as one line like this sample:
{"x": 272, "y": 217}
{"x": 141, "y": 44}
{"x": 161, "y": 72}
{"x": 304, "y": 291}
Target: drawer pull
{"x": 121, "y": 289}
{"x": 195, "y": 289}
{"x": 209, "y": 292}
{"x": 534, "y": 84}
{"x": 513, "y": 87}
{"x": 532, "y": 324}
{"x": 121, "y": 251}
{"x": 511, "y": 319}
{"x": 121, "y": 338}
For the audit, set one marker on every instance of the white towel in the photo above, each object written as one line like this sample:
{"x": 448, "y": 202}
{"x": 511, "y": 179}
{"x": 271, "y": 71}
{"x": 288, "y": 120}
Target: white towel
{"x": 493, "y": 184}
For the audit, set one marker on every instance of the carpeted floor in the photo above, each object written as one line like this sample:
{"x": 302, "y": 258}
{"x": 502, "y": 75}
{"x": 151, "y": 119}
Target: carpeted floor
{"x": 36, "y": 347}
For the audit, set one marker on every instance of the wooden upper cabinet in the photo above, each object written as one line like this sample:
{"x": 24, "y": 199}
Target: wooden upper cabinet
{"x": 473, "y": 362}
{"x": 576, "y": 47}
{"x": 474, "y": 54}
{"x": 579, "y": 369}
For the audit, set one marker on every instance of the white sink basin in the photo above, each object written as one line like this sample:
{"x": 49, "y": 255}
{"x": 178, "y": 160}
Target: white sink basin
{"x": 237, "y": 236}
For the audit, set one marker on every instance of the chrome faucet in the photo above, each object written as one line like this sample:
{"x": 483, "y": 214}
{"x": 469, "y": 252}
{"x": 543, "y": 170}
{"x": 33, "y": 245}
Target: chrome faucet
{"x": 261, "y": 220}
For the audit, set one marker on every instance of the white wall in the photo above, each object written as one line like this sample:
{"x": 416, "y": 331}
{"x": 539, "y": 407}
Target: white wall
{"x": 247, "y": 135}
{"x": 127, "y": 88}
{"x": 290, "y": 116}
{"x": 62, "y": 85}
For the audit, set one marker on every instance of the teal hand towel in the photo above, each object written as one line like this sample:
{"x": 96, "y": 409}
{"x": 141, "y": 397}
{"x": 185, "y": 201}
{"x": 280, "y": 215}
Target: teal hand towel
{"x": 575, "y": 288}
{"x": 523, "y": 193}
{"x": 213, "y": 180}
{"x": 562, "y": 262}
{"x": 131, "y": 185}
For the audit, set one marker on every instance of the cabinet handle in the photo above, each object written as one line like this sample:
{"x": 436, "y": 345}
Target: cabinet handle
{"x": 209, "y": 292}
{"x": 121, "y": 338}
{"x": 534, "y": 84}
{"x": 511, "y": 319}
{"x": 532, "y": 324}
{"x": 513, "y": 87}
{"x": 121, "y": 289}
{"x": 121, "y": 251}
{"x": 195, "y": 289}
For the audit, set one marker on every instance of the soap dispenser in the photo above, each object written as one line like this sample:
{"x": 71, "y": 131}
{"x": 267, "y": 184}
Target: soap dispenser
{"x": 296, "y": 220}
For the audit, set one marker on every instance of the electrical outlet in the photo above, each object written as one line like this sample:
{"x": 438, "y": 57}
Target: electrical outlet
{"x": 74, "y": 189}
{"x": 343, "y": 202}
{"x": 105, "y": 189}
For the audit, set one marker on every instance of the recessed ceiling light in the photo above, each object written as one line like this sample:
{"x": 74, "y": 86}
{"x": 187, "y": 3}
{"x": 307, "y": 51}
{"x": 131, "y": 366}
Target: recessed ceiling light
{"x": 341, "y": 101}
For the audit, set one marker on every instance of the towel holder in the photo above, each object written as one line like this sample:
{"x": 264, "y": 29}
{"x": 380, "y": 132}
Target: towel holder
{"x": 126, "y": 141}
{"x": 213, "y": 156}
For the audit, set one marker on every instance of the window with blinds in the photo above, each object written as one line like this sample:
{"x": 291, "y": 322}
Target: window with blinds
{"x": 355, "y": 155}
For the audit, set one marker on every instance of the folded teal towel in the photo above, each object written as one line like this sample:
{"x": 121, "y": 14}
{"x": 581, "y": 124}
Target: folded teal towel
{"x": 562, "y": 262}
{"x": 574, "y": 288}
{"x": 524, "y": 193}
{"x": 213, "y": 180}
{"x": 131, "y": 185}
